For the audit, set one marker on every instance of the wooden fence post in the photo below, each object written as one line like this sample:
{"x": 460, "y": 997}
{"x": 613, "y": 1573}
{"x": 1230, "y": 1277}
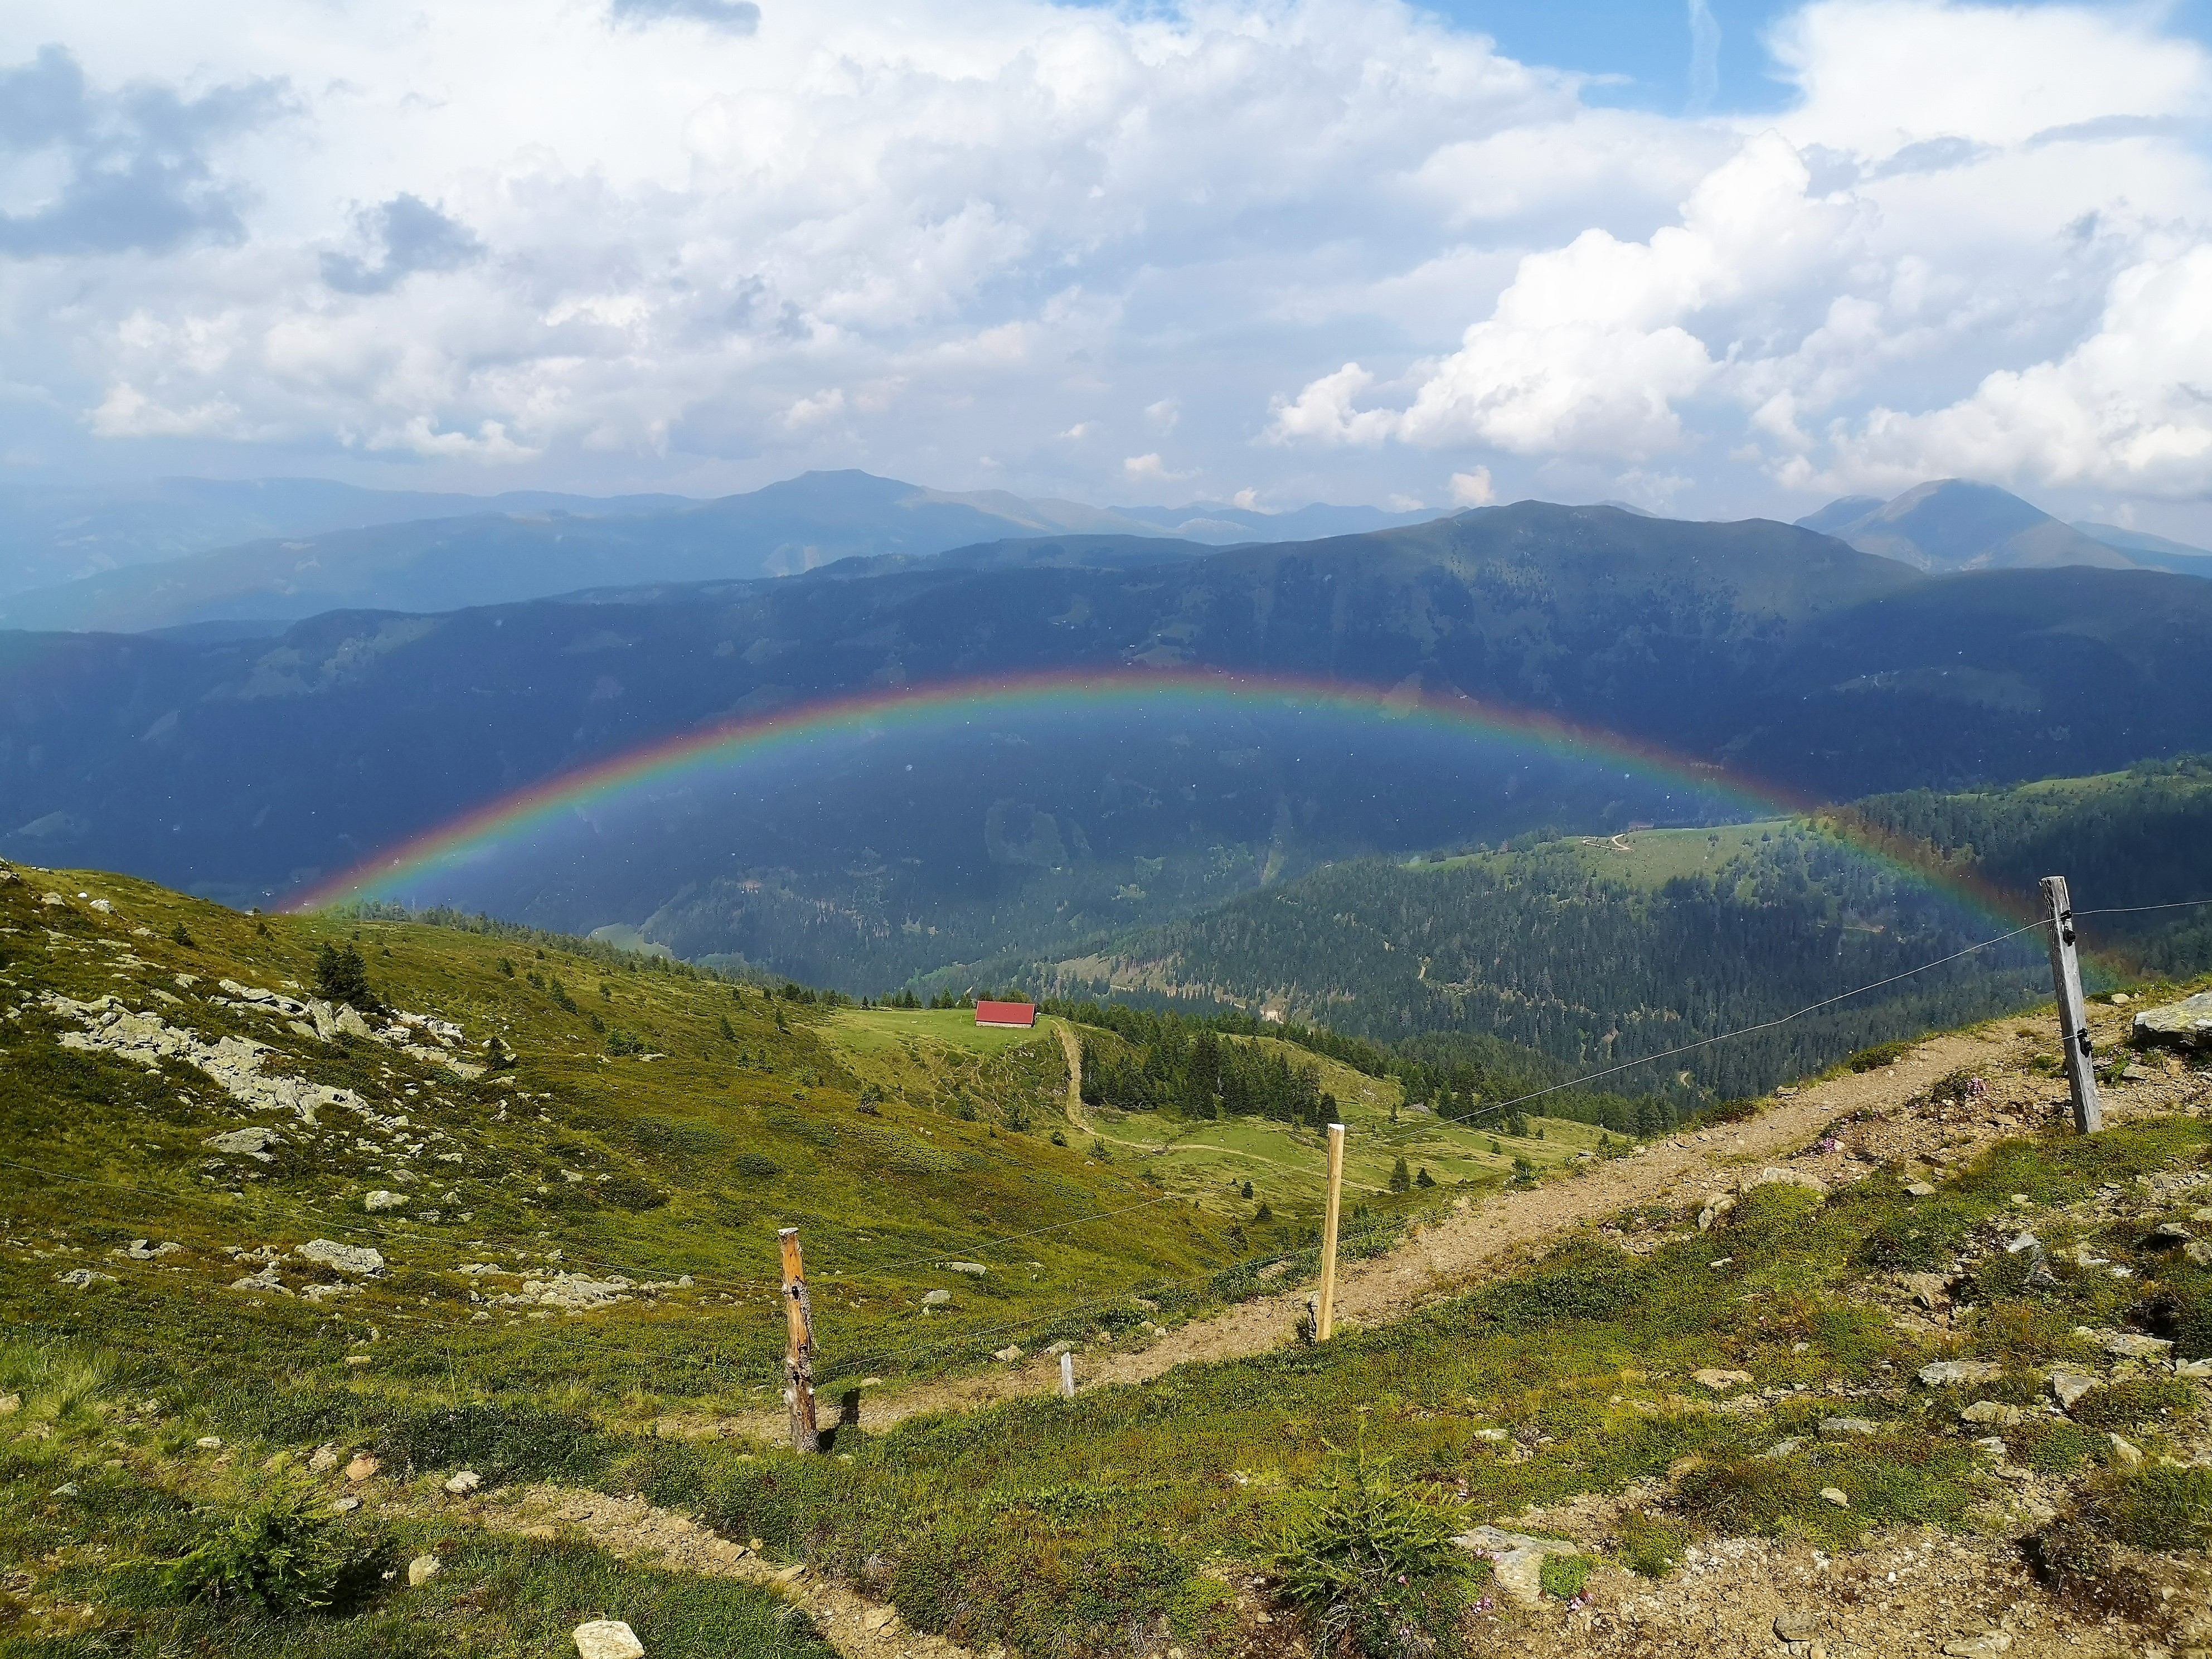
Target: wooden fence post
{"x": 1067, "y": 1376}
{"x": 1325, "y": 1321}
{"x": 2073, "y": 1019}
{"x": 798, "y": 1356}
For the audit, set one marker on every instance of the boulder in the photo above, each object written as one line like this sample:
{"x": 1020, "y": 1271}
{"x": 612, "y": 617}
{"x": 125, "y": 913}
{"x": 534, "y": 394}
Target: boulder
{"x": 1920, "y": 1190}
{"x": 1849, "y": 1425}
{"x": 1992, "y": 1412}
{"x": 2067, "y": 1387}
{"x": 362, "y": 1468}
{"x": 1719, "y": 1382}
{"x": 1930, "y": 1290}
{"x": 346, "y": 1258}
{"x": 1715, "y": 1208}
{"x": 1837, "y": 1496}
{"x": 1774, "y": 1175}
{"x": 2184, "y": 1024}
{"x": 935, "y": 1298}
{"x": 422, "y": 1570}
{"x": 1517, "y": 1559}
{"x": 323, "y": 1460}
{"x": 383, "y": 1201}
{"x": 251, "y": 1143}
{"x": 608, "y": 1638}
{"x": 2128, "y": 1345}
{"x": 973, "y": 1269}
{"x": 83, "y": 1277}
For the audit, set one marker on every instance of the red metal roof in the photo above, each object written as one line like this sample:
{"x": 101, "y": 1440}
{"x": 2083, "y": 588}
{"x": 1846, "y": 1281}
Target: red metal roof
{"x": 1005, "y": 1013}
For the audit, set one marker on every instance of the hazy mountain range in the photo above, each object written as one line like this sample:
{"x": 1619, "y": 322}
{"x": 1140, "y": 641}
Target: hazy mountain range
{"x": 189, "y": 551}
{"x": 245, "y": 767}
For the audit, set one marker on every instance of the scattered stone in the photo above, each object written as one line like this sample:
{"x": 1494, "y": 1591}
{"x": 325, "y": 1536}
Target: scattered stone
{"x": 144, "y": 1250}
{"x": 1783, "y": 1448}
{"x": 266, "y": 1280}
{"x": 356, "y": 1360}
{"x": 67, "y": 1489}
{"x": 251, "y": 1143}
{"x": 1058, "y": 1349}
{"x": 1991, "y": 1412}
{"x": 1007, "y": 1355}
{"x": 346, "y": 1258}
{"x": 1920, "y": 1190}
{"x": 1835, "y": 1495}
{"x": 463, "y": 1483}
{"x": 1978, "y": 1647}
{"x": 2126, "y": 1455}
{"x": 1719, "y": 1382}
{"x": 210, "y": 1442}
{"x": 2184, "y": 1024}
{"x": 935, "y": 1298}
{"x": 1947, "y": 1373}
{"x": 83, "y": 1277}
{"x": 973, "y": 1269}
{"x": 1849, "y": 1425}
{"x": 2023, "y": 1241}
{"x": 10, "y": 1404}
{"x": 381, "y": 1200}
{"x": 2167, "y": 1234}
{"x": 323, "y": 1460}
{"x": 2200, "y": 1252}
{"x": 362, "y": 1468}
{"x": 2202, "y": 1368}
{"x": 2067, "y": 1387}
{"x": 1715, "y": 1208}
{"x": 422, "y": 1570}
{"x": 1798, "y": 1627}
{"x": 347, "y": 1505}
{"x": 2129, "y": 1345}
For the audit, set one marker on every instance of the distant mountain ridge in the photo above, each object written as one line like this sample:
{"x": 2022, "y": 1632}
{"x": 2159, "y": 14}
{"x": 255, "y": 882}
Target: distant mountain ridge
{"x": 1953, "y": 524}
{"x": 461, "y": 551}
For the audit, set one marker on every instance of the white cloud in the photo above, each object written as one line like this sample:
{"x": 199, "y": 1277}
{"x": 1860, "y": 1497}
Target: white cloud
{"x": 1473, "y": 488}
{"x": 1320, "y": 242}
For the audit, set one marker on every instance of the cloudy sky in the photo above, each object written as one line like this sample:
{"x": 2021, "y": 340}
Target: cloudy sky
{"x": 1711, "y": 258}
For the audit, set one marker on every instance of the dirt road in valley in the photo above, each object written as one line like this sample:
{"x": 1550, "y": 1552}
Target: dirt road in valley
{"x": 1484, "y": 1235}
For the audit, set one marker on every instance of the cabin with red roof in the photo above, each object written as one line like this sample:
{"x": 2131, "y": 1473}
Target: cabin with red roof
{"x": 1005, "y": 1013}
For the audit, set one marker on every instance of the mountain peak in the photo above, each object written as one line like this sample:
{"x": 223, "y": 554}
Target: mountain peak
{"x": 1956, "y": 524}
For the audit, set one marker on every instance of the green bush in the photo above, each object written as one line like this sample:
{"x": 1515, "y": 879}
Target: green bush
{"x": 2136, "y": 1400}
{"x": 1881, "y": 1055}
{"x": 1373, "y": 1564}
{"x": 340, "y": 976}
{"x": 280, "y": 1555}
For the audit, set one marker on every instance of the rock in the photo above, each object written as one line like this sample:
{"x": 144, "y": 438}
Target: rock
{"x": 346, "y": 1258}
{"x": 2167, "y": 1234}
{"x": 252, "y": 1143}
{"x": 2128, "y": 1345}
{"x": 935, "y": 1298}
{"x": 1719, "y": 1382}
{"x": 1990, "y": 1411}
{"x": 323, "y": 1460}
{"x": 1976, "y": 1647}
{"x": 2022, "y": 1242}
{"x": 973, "y": 1269}
{"x": 1920, "y": 1190}
{"x": 1517, "y": 1559}
{"x": 1798, "y": 1627}
{"x": 2127, "y": 1456}
{"x": 2200, "y": 1368}
{"x": 1783, "y": 1448}
{"x": 1714, "y": 1209}
{"x": 2200, "y": 1252}
{"x": 463, "y": 1483}
{"x": 422, "y": 1570}
{"x": 1007, "y": 1355}
{"x": 83, "y": 1277}
{"x": 1947, "y": 1373}
{"x": 210, "y": 1442}
{"x": 1849, "y": 1425}
{"x": 1835, "y": 1495}
{"x": 608, "y": 1638}
{"x": 1930, "y": 1290}
{"x": 10, "y": 1404}
{"x": 2184, "y": 1024}
{"x": 144, "y": 1250}
{"x": 1773, "y": 1175}
{"x": 67, "y": 1489}
{"x": 347, "y": 1505}
{"x": 381, "y": 1200}
{"x": 2067, "y": 1387}
{"x": 362, "y": 1468}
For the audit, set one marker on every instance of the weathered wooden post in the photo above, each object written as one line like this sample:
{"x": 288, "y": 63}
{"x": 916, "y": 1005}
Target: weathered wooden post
{"x": 798, "y": 1356}
{"x": 1325, "y": 1320}
{"x": 2073, "y": 1019}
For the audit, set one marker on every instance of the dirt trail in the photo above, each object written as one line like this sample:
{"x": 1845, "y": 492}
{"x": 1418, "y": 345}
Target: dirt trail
{"x": 631, "y": 1529}
{"x": 1443, "y": 1258}
{"x": 1074, "y": 1050}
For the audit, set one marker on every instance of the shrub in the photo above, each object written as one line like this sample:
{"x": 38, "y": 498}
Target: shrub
{"x": 279, "y": 1552}
{"x": 340, "y": 976}
{"x": 1881, "y": 1055}
{"x": 1373, "y": 1564}
{"x": 2158, "y": 1507}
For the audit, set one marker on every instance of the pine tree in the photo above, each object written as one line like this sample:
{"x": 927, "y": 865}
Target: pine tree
{"x": 1402, "y": 1178}
{"x": 342, "y": 976}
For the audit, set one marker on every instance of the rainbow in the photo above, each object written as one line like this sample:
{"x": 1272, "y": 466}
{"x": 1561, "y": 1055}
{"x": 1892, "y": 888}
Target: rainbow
{"x": 669, "y": 759}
